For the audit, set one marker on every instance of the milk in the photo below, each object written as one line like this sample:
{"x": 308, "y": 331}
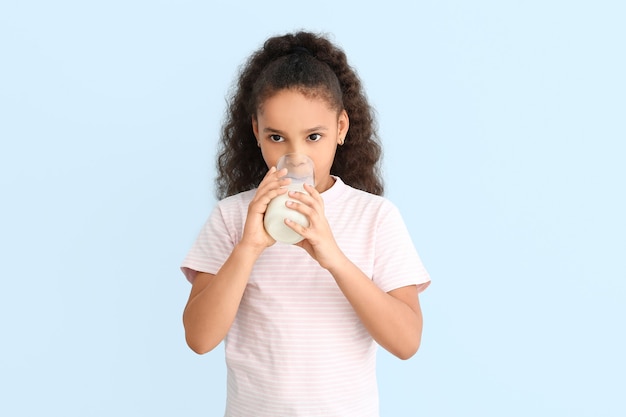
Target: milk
{"x": 301, "y": 171}
{"x": 277, "y": 212}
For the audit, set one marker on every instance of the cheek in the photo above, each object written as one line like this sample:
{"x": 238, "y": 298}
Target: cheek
{"x": 269, "y": 158}
{"x": 322, "y": 168}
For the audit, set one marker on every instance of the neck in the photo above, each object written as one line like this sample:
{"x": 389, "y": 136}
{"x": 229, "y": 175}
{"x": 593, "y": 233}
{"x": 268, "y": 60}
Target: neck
{"x": 325, "y": 184}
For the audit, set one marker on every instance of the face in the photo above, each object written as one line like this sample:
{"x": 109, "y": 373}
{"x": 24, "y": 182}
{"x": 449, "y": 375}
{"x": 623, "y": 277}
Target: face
{"x": 290, "y": 122}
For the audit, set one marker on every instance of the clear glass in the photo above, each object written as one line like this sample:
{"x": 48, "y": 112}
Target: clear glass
{"x": 301, "y": 171}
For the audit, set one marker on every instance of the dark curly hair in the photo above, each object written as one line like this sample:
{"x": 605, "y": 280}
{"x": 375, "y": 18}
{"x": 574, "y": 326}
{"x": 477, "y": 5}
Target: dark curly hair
{"x": 311, "y": 64}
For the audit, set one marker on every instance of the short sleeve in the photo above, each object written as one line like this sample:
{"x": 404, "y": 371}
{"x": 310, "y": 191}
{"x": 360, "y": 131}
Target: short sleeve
{"x": 212, "y": 247}
{"x": 397, "y": 263}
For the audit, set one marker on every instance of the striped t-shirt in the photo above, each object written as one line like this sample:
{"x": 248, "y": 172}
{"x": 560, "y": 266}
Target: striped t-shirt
{"x": 296, "y": 347}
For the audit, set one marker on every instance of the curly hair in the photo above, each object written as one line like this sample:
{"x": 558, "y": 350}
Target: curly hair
{"x": 311, "y": 64}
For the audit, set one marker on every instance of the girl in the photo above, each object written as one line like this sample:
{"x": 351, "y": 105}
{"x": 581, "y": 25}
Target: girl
{"x": 301, "y": 322}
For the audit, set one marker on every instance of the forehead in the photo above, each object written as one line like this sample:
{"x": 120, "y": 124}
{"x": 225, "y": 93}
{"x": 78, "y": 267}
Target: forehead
{"x": 292, "y": 106}
{"x": 298, "y": 96}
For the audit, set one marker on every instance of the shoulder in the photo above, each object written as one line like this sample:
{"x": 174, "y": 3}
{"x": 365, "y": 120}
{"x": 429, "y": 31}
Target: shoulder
{"x": 341, "y": 190}
{"x": 346, "y": 194}
{"x": 231, "y": 212}
{"x": 357, "y": 206}
{"x": 236, "y": 201}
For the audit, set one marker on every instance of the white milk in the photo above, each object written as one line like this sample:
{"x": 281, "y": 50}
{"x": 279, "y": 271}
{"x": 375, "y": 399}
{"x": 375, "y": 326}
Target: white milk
{"x": 277, "y": 212}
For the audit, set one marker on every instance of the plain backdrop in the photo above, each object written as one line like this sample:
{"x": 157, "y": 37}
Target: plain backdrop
{"x": 504, "y": 129}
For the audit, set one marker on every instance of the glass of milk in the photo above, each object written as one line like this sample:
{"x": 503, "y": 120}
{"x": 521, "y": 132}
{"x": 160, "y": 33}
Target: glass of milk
{"x": 300, "y": 170}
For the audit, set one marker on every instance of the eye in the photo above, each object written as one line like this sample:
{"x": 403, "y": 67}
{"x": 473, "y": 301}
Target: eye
{"x": 314, "y": 137}
{"x": 276, "y": 138}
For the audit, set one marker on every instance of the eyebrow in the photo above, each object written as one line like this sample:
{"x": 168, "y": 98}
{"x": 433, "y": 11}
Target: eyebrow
{"x": 279, "y": 132}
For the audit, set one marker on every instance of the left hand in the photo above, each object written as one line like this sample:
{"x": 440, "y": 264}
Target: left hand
{"x": 318, "y": 241}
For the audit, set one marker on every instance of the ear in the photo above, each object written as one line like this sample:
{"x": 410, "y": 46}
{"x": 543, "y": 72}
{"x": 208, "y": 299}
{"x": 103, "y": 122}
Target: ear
{"x": 343, "y": 123}
{"x": 255, "y": 127}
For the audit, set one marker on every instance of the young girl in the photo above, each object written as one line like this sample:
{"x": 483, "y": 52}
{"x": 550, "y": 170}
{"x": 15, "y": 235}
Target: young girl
{"x": 301, "y": 322}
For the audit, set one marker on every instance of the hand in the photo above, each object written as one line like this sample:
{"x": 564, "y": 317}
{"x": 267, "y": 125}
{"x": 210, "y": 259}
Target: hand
{"x": 318, "y": 241}
{"x": 272, "y": 185}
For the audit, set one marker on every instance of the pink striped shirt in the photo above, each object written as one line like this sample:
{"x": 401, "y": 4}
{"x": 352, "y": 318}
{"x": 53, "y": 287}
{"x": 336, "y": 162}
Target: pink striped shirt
{"x": 296, "y": 347}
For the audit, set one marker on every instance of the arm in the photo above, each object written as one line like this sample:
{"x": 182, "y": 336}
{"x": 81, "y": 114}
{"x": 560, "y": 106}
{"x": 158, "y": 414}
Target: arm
{"x": 215, "y": 299}
{"x": 393, "y": 319}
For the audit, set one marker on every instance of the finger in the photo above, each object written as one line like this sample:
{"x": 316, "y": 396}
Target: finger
{"x": 309, "y": 212}
{"x": 272, "y": 180}
{"x": 265, "y": 196}
{"x": 306, "y": 200}
{"x": 280, "y": 174}
{"x": 298, "y": 228}
{"x": 273, "y": 174}
{"x": 312, "y": 190}
{"x": 315, "y": 194}
{"x": 270, "y": 172}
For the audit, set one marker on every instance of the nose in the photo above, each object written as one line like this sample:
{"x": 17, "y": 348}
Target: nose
{"x": 296, "y": 148}
{"x": 299, "y": 154}
{"x": 296, "y": 159}
{"x": 298, "y": 165}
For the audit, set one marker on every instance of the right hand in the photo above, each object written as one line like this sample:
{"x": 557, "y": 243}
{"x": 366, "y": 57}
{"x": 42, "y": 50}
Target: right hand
{"x": 272, "y": 185}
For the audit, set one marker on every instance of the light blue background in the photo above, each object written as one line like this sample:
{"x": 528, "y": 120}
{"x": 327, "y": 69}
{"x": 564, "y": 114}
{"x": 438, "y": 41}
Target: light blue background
{"x": 503, "y": 125}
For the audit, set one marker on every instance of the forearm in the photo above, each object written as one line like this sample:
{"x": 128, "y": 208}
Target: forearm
{"x": 212, "y": 308}
{"x": 394, "y": 323}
